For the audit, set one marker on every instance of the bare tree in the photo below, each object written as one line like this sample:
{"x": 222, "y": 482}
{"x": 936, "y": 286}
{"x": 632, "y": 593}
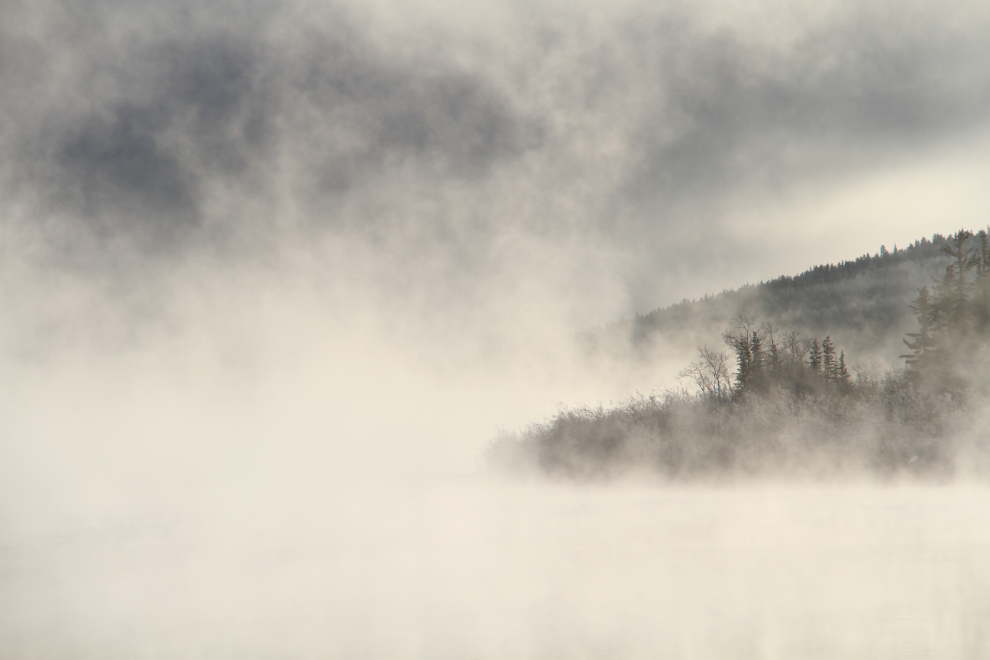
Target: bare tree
{"x": 710, "y": 372}
{"x": 797, "y": 348}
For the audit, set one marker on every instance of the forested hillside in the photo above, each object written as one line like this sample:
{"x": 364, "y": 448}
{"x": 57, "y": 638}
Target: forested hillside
{"x": 863, "y": 303}
{"x": 767, "y": 400}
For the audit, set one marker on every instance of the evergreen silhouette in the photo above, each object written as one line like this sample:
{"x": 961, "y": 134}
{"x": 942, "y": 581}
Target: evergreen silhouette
{"x": 815, "y": 357}
{"x": 829, "y": 364}
{"x": 792, "y": 402}
{"x": 953, "y": 318}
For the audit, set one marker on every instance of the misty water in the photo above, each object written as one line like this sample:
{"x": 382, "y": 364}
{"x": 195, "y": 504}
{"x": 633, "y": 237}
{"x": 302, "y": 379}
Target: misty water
{"x": 274, "y": 274}
{"x": 287, "y": 489}
{"x": 476, "y": 568}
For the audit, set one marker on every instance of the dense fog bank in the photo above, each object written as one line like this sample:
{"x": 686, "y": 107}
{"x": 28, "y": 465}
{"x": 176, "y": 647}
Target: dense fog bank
{"x": 273, "y": 273}
{"x": 527, "y": 571}
{"x": 897, "y": 435}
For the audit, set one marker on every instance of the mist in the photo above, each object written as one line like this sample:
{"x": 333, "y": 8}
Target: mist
{"x": 274, "y": 275}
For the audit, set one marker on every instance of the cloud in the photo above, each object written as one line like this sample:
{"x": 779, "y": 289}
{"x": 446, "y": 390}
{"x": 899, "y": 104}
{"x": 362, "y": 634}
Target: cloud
{"x": 731, "y": 111}
{"x": 148, "y": 121}
{"x": 621, "y": 143}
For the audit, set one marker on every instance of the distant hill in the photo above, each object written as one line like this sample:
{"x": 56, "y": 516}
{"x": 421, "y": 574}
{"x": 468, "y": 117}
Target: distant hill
{"x": 774, "y": 403}
{"x": 862, "y": 304}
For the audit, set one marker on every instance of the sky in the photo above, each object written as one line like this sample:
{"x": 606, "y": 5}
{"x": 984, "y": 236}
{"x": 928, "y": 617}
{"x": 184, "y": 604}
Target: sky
{"x": 639, "y": 152}
{"x": 312, "y": 210}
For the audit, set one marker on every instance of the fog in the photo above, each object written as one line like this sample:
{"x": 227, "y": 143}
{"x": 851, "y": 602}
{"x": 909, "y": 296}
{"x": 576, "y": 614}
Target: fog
{"x": 524, "y": 572}
{"x": 274, "y": 274}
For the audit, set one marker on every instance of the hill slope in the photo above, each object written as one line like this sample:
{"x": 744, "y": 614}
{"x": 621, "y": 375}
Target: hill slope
{"x": 778, "y": 404}
{"x": 862, "y": 304}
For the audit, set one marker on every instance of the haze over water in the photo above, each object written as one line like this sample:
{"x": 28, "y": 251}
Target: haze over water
{"x": 273, "y": 275}
{"x": 530, "y": 571}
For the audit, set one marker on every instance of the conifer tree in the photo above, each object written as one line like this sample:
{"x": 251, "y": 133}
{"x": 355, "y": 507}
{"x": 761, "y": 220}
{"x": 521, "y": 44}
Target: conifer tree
{"x": 942, "y": 301}
{"x": 744, "y": 358}
{"x": 923, "y": 344}
{"x": 776, "y": 360}
{"x": 740, "y": 345}
{"x": 757, "y": 359}
{"x": 815, "y": 357}
{"x": 843, "y": 378}
{"x": 981, "y": 287}
{"x": 746, "y": 342}
{"x": 828, "y": 360}
{"x": 953, "y": 290}
{"x": 953, "y": 318}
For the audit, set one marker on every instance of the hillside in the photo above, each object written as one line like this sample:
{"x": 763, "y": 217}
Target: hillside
{"x": 766, "y": 401}
{"x": 862, "y": 303}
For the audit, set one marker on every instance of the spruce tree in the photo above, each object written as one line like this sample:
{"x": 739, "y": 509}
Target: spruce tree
{"x": 815, "y": 357}
{"x": 954, "y": 288}
{"x": 740, "y": 345}
{"x": 923, "y": 344}
{"x": 981, "y": 287}
{"x": 843, "y": 378}
{"x": 776, "y": 361}
{"x": 757, "y": 358}
{"x": 947, "y": 317}
{"x": 828, "y": 360}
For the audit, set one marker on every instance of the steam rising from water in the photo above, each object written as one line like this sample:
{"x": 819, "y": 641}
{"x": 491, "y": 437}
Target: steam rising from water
{"x": 475, "y": 570}
{"x": 272, "y": 275}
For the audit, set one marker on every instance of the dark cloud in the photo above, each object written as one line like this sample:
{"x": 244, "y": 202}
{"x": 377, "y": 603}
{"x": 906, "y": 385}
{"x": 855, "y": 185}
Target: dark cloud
{"x": 131, "y": 142}
{"x": 732, "y": 111}
{"x": 381, "y": 111}
{"x": 177, "y": 124}
{"x": 116, "y": 167}
{"x": 151, "y": 121}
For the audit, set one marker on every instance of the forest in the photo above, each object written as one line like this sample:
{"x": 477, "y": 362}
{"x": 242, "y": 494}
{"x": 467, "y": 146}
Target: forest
{"x": 769, "y": 400}
{"x": 862, "y": 303}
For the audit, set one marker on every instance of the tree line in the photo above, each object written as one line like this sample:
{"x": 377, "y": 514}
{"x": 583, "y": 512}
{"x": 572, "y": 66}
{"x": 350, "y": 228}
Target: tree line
{"x": 768, "y": 358}
{"x": 864, "y": 300}
{"x": 953, "y": 318}
{"x": 776, "y": 402}
{"x": 919, "y": 250}
{"x": 954, "y": 325}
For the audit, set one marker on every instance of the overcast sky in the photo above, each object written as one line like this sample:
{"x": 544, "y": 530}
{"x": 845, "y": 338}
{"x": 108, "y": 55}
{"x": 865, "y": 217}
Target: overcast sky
{"x": 637, "y": 153}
